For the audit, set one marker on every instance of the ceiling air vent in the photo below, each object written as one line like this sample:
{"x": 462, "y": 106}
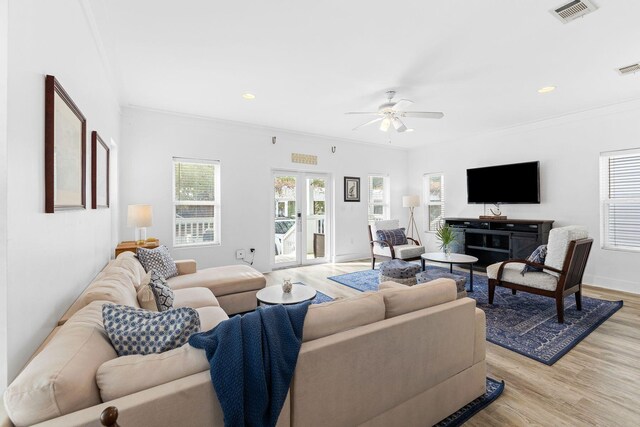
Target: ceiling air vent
{"x": 629, "y": 69}
{"x": 572, "y": 10}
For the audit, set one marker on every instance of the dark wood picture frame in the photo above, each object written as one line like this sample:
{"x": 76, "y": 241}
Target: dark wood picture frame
{"x": 351, "y": 183}
{"x": 53, "y": 89}
{"x": 98, "y": 144}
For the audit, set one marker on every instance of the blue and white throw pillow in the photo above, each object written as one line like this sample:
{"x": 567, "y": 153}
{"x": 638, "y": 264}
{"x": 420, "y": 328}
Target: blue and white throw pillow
{"x": 137, "y": 331}
{"x": 158, "y": 259}
{"x": 538, "y": 256}
{"x": 394, "y": 237}
{"x": 161, "y": 291}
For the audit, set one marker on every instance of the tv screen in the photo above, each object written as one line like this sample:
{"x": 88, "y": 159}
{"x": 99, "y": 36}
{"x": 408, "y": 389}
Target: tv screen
{"x": 515, "y": 183}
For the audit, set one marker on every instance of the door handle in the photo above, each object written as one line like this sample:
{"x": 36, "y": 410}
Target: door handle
{"x": 299, "y": 222}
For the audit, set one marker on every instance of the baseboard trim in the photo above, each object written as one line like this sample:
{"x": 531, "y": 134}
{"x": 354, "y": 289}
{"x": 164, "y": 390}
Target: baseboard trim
{"x": 612, "y": 284}
{"x": 351, "y": 257}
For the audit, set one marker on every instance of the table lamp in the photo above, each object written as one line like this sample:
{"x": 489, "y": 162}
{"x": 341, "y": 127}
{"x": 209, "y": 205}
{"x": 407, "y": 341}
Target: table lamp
{"x": 411, "y": 202}
{"x": 140, "y": 217}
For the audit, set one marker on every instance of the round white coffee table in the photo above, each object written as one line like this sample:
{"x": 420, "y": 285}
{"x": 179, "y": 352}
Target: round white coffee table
{"x": 272, "y": 295}
{"x": 451, "y": 259}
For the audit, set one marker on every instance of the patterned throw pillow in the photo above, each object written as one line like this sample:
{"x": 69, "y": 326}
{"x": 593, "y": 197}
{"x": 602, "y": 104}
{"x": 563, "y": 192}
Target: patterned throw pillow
{"x": 136, "y": 331}
{"x": 394, "y": 237}
{"x": 162, "y": 293}
{"x": 536, "y": 256}
{"x": 158, "y": 259}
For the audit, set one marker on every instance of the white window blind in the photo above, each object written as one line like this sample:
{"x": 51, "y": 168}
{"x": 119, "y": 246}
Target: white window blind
{"x": 620, "y": 199}
{"x": 196, "y": 202}
{"x": 378, "y": 198}
{"x": 433, "y": 199}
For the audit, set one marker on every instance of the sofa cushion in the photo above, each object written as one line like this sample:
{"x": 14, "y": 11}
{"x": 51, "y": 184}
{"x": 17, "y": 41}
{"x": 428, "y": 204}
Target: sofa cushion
{"x": 194, "y": 298}
{"x": 533, "y": 279}
{"x": 129, "y": 261}
{"x": 115, "y": 285}
{"x": 129, "y": 374}
{"x": 558, "y": 244}
{"x": 210, "y": 317}
{"x": 138, "y": 331}
{"x": 340, "y": 315}
{"x": 61, "y": 378}
{"x": 158, "y": 259}
{"x": 230, "y": 279}
{"x": 418, "y": 297}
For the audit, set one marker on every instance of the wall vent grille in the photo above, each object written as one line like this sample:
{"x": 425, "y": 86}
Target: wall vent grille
{"x": 629, "y": 69}
{"x": 572, "y": 10}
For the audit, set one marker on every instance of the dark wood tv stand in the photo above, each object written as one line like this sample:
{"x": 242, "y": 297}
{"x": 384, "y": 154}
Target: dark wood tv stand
{"x": 495, "y": 240}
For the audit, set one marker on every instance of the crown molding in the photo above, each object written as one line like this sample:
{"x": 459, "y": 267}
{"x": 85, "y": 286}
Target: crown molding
{"x": 263, "y": 128}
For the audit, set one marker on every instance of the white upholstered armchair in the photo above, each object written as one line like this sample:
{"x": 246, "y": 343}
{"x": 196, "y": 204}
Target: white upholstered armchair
{"x": 385, "y": 250}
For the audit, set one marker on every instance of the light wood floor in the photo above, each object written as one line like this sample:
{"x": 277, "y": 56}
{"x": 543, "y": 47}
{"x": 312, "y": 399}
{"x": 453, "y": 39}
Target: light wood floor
{"x": 596, "y": 383}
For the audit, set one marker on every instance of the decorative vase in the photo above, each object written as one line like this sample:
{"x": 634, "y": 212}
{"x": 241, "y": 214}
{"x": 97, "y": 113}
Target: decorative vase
{"x": 447, "y": 251}
{"x": 286, "y": 286}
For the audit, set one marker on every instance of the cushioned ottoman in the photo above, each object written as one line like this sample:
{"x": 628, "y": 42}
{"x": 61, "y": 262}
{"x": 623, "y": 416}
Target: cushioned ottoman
{"x": 429, "y": 275}
{"x": 399, "y": 271}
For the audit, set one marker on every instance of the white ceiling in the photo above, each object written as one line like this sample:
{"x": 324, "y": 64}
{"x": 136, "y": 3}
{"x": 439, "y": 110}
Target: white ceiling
{"x": 308, "y": 62}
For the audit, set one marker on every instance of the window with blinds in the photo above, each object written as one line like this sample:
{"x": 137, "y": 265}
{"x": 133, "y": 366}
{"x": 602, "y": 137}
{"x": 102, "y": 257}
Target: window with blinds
{"x": 620, "y": 200}
{"x": 378, "y": 198}
{"x": 196, "y": 202}
{"x": 433, "y": 189}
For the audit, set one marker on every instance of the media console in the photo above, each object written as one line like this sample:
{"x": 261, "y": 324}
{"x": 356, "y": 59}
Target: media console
{"x": 495, "y": 240}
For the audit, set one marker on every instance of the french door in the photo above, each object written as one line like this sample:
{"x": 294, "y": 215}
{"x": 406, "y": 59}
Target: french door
{"x": 301, "y": 206}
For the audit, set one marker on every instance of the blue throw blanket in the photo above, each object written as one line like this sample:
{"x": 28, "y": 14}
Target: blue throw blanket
{"x": 252, "y": 359}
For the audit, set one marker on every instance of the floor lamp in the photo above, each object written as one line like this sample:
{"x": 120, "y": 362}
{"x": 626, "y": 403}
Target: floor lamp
{"x": 411, "y": 202}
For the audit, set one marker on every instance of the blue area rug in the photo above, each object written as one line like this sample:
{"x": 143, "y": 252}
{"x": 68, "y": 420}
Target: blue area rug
{"x": 524, "y": 323}
{"x": 320, "y": 297}
{"x": 494, "y": 389}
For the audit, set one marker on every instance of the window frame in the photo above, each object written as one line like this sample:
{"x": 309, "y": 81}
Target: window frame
{"x": 427, "y": 203}
{"x": 215, "y": 203}
{"x": 606, "y": 200}
{"x": 386, "y": 205}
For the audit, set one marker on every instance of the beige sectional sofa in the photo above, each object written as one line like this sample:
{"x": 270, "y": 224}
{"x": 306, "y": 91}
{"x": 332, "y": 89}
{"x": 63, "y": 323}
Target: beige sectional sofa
{"x": 400, "y": 356}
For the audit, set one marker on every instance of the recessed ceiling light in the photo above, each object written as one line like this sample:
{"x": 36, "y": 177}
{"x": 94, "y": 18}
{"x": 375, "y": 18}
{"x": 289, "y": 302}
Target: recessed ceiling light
{"x": 546, "y": 89}
{"x": 248, "y": 96}
{"x": 409, "y": 130}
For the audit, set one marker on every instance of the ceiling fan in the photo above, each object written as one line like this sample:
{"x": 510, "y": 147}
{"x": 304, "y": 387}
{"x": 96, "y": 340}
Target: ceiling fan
{"x": 390, "y": 113}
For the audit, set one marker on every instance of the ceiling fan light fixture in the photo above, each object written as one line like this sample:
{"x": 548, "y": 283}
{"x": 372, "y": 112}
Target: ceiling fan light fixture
{"x": 384, "y": 126}
{"x": 409, "y": 130}
{"x": 248, "y": 96}
{"x": 398, "y": 125}
{"x": 546, "y": 89}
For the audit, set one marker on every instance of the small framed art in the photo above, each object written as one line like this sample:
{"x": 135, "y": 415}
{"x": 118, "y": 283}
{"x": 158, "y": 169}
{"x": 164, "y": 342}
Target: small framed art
{"x": 351, "y": 189}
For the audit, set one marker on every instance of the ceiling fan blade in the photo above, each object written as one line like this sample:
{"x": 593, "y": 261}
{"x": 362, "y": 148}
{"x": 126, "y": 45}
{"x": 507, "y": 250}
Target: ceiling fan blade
{"x": 368, "y": 123}
{"x": 363, "y": 112}
{"x": 403, "y": 103}
{"x": 398, "y": 125}
{"x": 422, "y": 114}
{"x": 384, "y": 126}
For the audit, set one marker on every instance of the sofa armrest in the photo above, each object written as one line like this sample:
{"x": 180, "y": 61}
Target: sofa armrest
{"x": 480, "y": 344}
{"x": 186, "y": 266}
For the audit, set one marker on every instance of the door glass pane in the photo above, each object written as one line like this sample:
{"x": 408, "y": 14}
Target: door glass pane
{"x": 285, "y": 219}
{"x": 316, "y": 215}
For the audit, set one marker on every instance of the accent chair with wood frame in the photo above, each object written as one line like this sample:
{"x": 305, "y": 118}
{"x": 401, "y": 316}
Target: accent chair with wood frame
{"x": 553, "y": 281}
{"x": 383, "y": 250}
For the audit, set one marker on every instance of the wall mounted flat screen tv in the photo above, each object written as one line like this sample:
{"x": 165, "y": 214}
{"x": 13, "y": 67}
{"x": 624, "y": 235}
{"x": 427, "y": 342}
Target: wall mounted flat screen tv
{"x": 514, "y": 183}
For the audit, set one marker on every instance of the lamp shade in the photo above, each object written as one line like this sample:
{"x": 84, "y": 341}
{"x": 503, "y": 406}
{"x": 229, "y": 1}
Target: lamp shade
{"x": 410, "y": 201}
{"x": 139, "y": 216}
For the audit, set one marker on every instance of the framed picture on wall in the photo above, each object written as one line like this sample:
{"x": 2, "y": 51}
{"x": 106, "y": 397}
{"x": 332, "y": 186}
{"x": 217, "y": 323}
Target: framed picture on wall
{"x": 99, "y": 172}
{"x": 65, "y": 150}
{"x": 351, "y": 189}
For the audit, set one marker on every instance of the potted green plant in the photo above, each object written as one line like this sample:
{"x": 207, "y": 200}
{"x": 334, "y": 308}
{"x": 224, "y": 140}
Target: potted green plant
{"x": 447, "y": 237}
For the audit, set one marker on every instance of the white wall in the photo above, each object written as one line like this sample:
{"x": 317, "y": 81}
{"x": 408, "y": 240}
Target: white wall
{"x": 4, "y": 11}
{"x": 51, "y": 257}
{"x": 568, "y": 149}
{"x": 150, "y": 140}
